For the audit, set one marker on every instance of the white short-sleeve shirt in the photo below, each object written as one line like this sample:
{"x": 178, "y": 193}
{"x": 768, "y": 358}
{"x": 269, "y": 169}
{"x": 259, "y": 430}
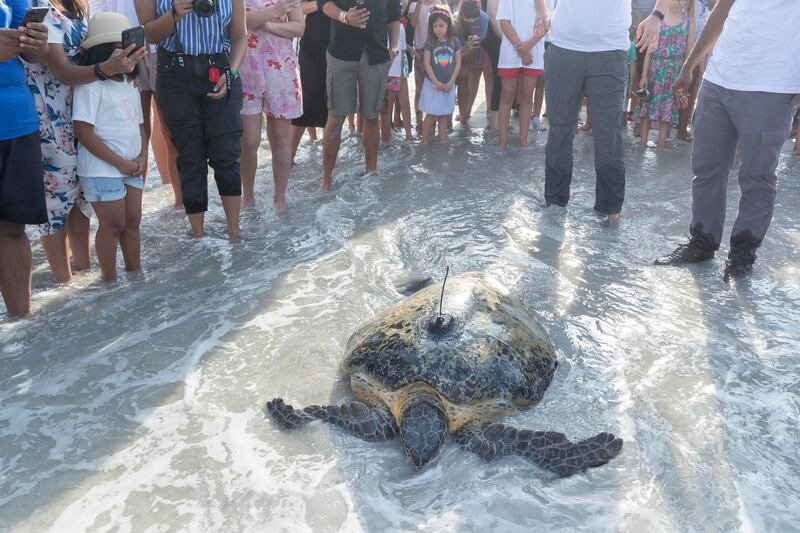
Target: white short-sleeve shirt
{"x": 115, "y": 110}
{"x": 591, "y": 25}
{"x": 522, "y": 16}
{"x": 759, "y": 49}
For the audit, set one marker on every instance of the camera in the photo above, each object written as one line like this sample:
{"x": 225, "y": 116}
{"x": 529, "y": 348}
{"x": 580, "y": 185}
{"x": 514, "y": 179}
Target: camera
{"x": 644, "y": 95}
{"x": 203, "y": 8}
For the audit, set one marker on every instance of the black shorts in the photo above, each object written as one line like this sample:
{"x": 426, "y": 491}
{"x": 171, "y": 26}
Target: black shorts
{"x": 22, "y": 181}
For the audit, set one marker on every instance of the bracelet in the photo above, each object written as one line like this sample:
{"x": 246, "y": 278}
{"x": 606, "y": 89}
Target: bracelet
{"x": 234, "y": 73}
{"x": 99, "y": 74}
{"x": 658, "y": 14}
{"x": 343, "y": 17}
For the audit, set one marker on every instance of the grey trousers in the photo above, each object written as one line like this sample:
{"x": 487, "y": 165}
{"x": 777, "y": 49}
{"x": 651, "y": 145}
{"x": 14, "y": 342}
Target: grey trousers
{"x": 601, "y": 76}
{"x": 724, "y": 119}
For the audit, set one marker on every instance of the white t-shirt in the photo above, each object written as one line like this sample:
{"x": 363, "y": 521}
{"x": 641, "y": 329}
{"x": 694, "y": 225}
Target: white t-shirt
{"x": 522, "y": 15}
{"x": 759, "y": 49}
{"x": 591, "y": 25}
{"x": 115, "y": 110}
{"x": 396, "y": 70}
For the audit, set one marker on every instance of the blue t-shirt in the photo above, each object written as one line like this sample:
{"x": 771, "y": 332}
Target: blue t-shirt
{"x": 19, "y": 113}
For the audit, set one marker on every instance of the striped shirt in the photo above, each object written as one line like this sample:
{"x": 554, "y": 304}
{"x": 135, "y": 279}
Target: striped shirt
{"x": 200, "y": 35}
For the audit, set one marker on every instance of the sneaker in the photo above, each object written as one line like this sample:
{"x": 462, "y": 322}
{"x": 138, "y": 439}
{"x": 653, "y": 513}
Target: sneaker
{"x": 739, "y": 264}
{"x": 537, "y": 124}
{"x": 693, "y": 251}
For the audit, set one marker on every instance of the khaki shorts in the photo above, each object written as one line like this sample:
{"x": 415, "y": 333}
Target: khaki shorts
{"x": 356, "y": 81}
{"x": 146, "y": 73}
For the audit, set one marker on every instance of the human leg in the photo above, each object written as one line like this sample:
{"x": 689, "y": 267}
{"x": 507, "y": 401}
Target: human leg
{"x": 182, "y": 111}
{"x": 164, "y": 150}
{"x": 342, "y": 85}
{"x": 331, "y": 140}
{"x": 111, "y": 216}
{"x": 297, "y": 136}
{"x": 527, "y": 84}
{"x": 538, "y": 97}
{"x": 645, "y": 128}
{"x": 130, "y": 240}
{"x": 251, "y": 141}
{"x": 405, "y": 109}
{"x": 280, "y": 146}
{"x": 427, "y": 126}
{"x": 565, "y": 72}
{"x": 223, "y": 132}
{"x": 605, "y": 89}
{"x": 146, "y": 97}
{"x": 15, "y": 269}
{"x": 372, "y": 88}
{"x": 663, "y": 133}
{"x": 763, "y": 121}
{"x": 57, "y": 253}
{"x": 713, "y": 153}
{"x": 507, "y": 97}
{"x": 386, "y": 117}
{"x": 78, "y": 230}
{"x": 442, "y": 125}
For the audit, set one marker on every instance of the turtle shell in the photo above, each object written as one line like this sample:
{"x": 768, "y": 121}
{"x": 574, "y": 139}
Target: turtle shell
{"x": 484, "y": 347}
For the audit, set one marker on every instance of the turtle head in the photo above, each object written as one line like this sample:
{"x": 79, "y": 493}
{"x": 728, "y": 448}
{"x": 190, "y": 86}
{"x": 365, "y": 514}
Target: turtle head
{"x": 423, "y": 427}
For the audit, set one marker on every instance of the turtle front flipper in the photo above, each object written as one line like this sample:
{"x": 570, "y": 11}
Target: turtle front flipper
{"x": 547, "y": 449}
{"x": 372, "y": 425}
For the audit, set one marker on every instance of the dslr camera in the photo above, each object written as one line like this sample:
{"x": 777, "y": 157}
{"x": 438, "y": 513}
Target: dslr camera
{"x": 204, "y": 8}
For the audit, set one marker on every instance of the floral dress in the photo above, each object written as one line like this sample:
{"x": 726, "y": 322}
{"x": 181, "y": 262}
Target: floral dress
{"x": 270, "y": 80}
{"x": 54, "y": 104}
{"x": 665, "y": 65}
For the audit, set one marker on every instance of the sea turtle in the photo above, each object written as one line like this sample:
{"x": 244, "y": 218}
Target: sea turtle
{"x": 421, "y": 374}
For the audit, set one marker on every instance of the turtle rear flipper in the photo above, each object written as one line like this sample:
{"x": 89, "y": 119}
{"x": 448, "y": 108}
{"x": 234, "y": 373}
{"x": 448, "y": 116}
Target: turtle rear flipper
{"x": 547, "y": 449}
{"x": 372, "y": 425}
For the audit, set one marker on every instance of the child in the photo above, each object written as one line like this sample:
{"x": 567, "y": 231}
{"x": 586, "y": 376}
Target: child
{"x": 473, "y": 25}
{"x": 661, "y": 68}
{"x": 442, "y": 62}
{"x": 397, "y": 92}
{"x": 521, "y": 63}
{"x": 108, "y": 122}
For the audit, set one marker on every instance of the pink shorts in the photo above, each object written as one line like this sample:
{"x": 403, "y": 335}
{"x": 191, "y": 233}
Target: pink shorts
{"x": 514, "y": 73}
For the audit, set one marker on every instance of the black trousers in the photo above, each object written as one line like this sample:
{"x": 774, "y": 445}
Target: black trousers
{"x": 204, "y": 131}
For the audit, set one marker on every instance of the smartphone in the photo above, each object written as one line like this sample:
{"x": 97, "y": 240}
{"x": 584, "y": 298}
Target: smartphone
{"x": 35, "y": 14}
{"x": 133, "y": 36}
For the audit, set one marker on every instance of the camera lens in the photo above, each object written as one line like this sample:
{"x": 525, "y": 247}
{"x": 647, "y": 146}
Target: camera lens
{"x": 203, "y": 8}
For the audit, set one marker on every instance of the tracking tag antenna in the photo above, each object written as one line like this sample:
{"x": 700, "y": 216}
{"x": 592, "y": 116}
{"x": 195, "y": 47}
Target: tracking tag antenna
{"x": 439, "y": 317}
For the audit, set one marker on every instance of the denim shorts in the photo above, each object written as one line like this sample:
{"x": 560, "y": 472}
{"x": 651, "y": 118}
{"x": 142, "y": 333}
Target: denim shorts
{"x": 108, "y": 189}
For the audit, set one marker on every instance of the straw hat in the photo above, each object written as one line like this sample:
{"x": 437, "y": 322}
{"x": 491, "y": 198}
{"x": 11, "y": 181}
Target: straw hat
{"x": 105, "y": 27}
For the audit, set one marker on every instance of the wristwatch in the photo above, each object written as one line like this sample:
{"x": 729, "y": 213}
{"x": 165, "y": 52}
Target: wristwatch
{"x": 658, "y": 14}
{"x": 99, "y": 74}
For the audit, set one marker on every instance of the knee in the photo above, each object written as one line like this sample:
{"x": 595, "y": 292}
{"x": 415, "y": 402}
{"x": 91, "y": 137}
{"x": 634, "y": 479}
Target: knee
{"x": 12, "y": 232}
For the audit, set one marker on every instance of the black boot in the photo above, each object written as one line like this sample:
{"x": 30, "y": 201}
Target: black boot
{"x": 693, "y": 251}
{"x": 739, "y": 263}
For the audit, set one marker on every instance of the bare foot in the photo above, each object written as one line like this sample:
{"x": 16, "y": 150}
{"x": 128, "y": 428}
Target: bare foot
{"x": 177, "y": 206}
{"x": 199, "y": 234}
{"x": 248, "y": 202}
{"x": 523, "y": 144}
{"x": 613, "y": 219}
{"x": 684, "y": 136}
{"x": 233, "y": 231}
{"x": 280, "y": 207}
{"x": 325, "y": 186}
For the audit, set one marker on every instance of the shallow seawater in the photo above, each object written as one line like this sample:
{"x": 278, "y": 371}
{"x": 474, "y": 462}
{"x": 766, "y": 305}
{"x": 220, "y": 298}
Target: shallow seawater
{"x": 138, "y": 406}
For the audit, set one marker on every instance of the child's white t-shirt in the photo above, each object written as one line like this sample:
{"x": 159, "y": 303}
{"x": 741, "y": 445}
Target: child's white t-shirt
{"x": 396, "y": 70}
{"x": 758, "y": 48}
{"x": 115, "y": 110}
{"x": 522, "y": 15}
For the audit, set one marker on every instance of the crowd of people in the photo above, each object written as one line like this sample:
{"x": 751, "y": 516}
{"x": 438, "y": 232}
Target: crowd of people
{"x": 84, "y": 102}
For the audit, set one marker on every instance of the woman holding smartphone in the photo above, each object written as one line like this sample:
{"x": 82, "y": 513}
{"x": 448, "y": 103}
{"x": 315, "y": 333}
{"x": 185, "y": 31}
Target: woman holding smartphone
{"x": 51, "y": 82}
{"x": 271, "y": 87}
{"x": 200, "y": 95}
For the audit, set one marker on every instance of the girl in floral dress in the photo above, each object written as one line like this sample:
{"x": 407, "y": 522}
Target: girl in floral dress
{"x": 661, "y": 69}
{"x": 271, "y": 86}
{"x": 51, "y": 83}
